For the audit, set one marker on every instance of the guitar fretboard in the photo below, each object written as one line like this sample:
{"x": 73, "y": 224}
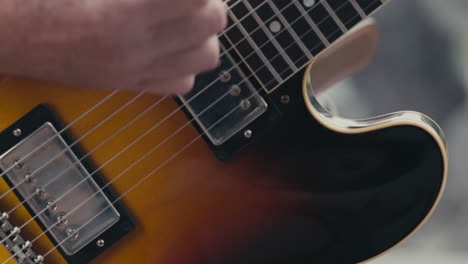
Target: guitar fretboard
{"x": 277, "y": 38}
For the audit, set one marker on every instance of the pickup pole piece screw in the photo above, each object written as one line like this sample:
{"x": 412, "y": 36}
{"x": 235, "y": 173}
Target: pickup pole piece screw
{"x": 72, "y": 234}
{"x": 225, "y": 76}
{"x": 235, "y": 90}
{"x": 62, "y": 219}
{"x": 40, "y": 192}
{"x": 52, "y": 206}
{"x": 29, "y": 178}
{"x": 18, "y": 164}
{"x": 245, "y": 104}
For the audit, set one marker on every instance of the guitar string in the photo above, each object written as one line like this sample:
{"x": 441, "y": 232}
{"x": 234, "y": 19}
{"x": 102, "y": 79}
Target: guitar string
{"x": 118, "y": 111}
{"x": 164, "y": 163}
{"x": 121, "y": 151}
{"x": 303, "y": 56}
{"x": 126, "y": 126}
{"x": 144, "y": 178}
{"x": 114, "y": 92}
{"x": 4, "y": 81}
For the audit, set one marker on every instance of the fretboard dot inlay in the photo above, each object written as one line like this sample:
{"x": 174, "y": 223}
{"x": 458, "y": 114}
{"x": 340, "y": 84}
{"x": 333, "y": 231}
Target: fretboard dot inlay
{"x": 275, "y": 26}
{"x": 276, "y": 38}
{"x": 308, "y": 3}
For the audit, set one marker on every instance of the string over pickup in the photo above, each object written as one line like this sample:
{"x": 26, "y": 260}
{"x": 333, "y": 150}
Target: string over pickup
{"x": 64, "y": 194}
{"x": 50, "y": 174}
{"x": 223, "y": 102}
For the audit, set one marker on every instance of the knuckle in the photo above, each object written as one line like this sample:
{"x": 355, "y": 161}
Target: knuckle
{"x": 186, "y": 84}
{"x": 209, "y": 55}
{"x": 217, "y": 20}
{"x": 199, "y": 3}
{"x": 212, "y": 59}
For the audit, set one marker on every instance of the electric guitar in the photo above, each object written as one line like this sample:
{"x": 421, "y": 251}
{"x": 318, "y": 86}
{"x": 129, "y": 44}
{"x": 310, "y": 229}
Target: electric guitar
{"x": 249, "y": 167}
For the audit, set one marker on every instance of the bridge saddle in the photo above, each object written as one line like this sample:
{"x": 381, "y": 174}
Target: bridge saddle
{"x": 12, "y": 240}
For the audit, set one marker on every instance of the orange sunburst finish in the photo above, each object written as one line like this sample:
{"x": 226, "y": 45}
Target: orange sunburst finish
{"x": 191, "y": 195}
{"x": 288, "y": 197}
{"x": 317, "y": 189}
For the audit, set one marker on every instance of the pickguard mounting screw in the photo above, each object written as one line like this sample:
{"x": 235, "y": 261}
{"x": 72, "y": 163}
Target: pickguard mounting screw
{"x": 285, "y": 99}
{"x": 248, "y": 133}
{"x": 17, "y": 132}
{"x": 100, "y": 243}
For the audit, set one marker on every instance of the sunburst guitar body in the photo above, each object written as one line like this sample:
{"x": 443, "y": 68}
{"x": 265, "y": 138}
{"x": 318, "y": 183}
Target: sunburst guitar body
{"x": 266, "y": 175}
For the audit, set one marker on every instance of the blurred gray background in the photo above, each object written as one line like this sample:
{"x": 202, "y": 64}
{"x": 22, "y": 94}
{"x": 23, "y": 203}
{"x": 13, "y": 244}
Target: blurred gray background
{"x": 422, "y": 64}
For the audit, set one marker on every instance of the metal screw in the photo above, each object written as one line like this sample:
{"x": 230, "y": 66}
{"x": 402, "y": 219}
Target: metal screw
{"x": 72, "y": 234}
{"x": 62, "y": 220}
{"x": 100, "y": 243}
{"x": 14, "y": 234}
{"x": 285, "y": 99}
{"x": 39, "y": 259}
{"x": 40, "y": 192}
{"x": 235, "y": 90}
{"x": 248, "y": 133}
{"x": 18, "y": 165}
{"x": 225, "y": 76}
{"x": 4, "y": 218}
{"x": 26, "y": 247}
{"x": 245, "y": 104}
{"x": 17, "y": 132}
{"x": 29, "y": 178}
{"x": 52, "y": 206}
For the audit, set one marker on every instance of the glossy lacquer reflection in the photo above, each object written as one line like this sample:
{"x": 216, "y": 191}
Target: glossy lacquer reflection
{"x": 312, "y": 195}
{"x": 315, "y": 189}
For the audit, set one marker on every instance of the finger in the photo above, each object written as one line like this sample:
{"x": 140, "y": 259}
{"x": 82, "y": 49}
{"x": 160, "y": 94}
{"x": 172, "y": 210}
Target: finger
{"x": 180, "y": 85}
{"x": 164, "y": 10}
{"x": 189, "y": 62}
{"x": 192, "y": 30}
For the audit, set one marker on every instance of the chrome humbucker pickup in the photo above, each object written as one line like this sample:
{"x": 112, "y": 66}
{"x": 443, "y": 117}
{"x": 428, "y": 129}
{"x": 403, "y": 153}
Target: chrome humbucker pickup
{"x": 223, "y": 102}
{"x": 58, "y": 189}
{"x": 62, "y": 190}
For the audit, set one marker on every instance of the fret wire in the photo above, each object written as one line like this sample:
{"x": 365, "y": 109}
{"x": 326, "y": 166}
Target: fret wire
{"x": 291, "y": 31}
{"x": 272, "y": 38}
{"x": 254, "y": 45}
{"x": 334, "y": 16}
{"x": 313, "y": 25}
{"x": 369, "y": 6}
{"x": 358, "y": 9}
{"x": 130, "y": 189}
{"x": 315, "y": 28}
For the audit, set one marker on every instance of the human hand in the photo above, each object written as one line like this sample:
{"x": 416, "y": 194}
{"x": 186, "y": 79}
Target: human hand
{"x": 158, "y": 45}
